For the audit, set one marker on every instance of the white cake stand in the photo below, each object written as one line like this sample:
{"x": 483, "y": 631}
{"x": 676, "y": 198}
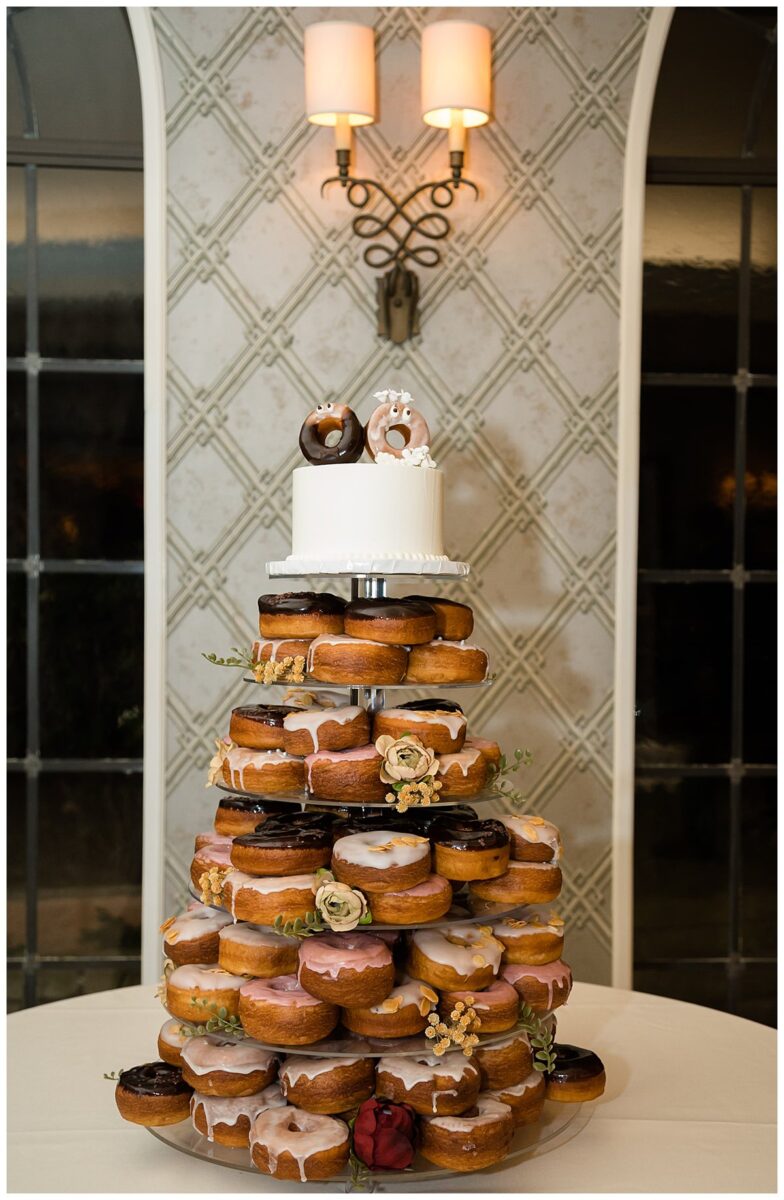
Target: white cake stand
{"x": 428, "y": 568}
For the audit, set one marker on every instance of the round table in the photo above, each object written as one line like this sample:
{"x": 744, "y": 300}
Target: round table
{"x": 689, "y": 1106}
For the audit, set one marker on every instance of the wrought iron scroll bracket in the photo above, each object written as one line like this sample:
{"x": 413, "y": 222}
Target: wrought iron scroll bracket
{"x": 398, "y": 238}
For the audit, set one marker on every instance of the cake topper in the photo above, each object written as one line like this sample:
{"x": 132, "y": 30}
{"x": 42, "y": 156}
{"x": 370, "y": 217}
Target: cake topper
{"x": 396, "y": 412}
{"x": 329, "y": 418}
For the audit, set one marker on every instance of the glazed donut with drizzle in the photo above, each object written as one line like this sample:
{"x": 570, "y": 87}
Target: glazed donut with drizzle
{"x": 214, "y": 1066}
{"x": 460, "y": 956}
{"x": 437, "y": 729}
{"x": 430, "y": 1085}
{"x": 227, "y": 1119}
{"x": 336, "y": 658}
{"x": 327, "y": 1085}
{"x": 542, "y": 987}
{"x": 259, "y": 726}
{"x": 193, "y": 937}
{"x": 281, "y": 1012}
{"x": 290, "y": 1143}
{"x": 530, "y": 937}
{"x": 402, "y": 1014}
{"x": 476, "y": 1139}
{"x": 260, "y": 899}
{"x": 353, "y": 970}
{"x": 310, "y": 730}
{"x": 194, "y": 992}
{"x": 248, "y": 950}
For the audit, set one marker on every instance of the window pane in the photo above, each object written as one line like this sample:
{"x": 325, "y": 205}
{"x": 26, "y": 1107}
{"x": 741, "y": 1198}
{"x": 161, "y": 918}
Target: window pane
{"x": 686, "y": 477}
{"x": 90, "y": 226}
{"x": 684, "y": 672}
{"x": 90, "y": 853}
{"x": 763, "y": 281}
{"x": 759, "y": 684}
{"x": 761, "y": 479}
{"x": 681, "y": 835}
{"x": 16, "y": 261}
{"x": 757, "y": 993}
{"x": 92, "y": 472}
{"x": 91, "y": 665}
{"x": 690, "y": 288}
{"x": 15, "y": 986}
{"x": 16, "y": 679}
{"x": 697, "y": 983}
{"x": 82, "y": 72}
{"x": 16, "y": 825}
{"x": 16, "y": 483}
{"x": 714, "y": 56}
{"x": 758, "y": 906}
{"x": 60, "y": 983}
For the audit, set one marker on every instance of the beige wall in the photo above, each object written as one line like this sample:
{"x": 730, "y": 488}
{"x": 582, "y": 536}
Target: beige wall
{"x": 271, "y": 309}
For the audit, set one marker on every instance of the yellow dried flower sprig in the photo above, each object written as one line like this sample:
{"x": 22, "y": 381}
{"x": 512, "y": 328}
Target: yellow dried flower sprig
{"x": 462, "y": 1019}
{"x": 211, "y": 883}
{"x": 290, "y": 669}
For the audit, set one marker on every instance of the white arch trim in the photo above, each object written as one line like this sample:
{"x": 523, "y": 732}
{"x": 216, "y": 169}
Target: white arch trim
{"x": 628, "y": 493}
{"x": 154, "y": 129}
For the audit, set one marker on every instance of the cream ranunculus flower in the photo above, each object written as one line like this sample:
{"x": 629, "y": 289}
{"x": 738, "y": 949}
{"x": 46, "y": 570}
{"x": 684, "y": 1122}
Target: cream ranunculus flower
{"x": 340, "y": 906}
{"x": 405, "y": 759}
{"x": 215, "y": 769}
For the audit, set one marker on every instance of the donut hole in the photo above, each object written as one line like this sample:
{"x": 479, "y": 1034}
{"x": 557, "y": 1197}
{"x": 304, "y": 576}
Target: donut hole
{"x": 329, "y": 432}
{"x": 398, "y": 436}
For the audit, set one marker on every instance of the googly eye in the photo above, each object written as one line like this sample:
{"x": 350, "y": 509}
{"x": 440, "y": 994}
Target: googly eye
{"x": 406, "y": 414}
{"x": 394, "y": 411}
{"x": 330, "y": 406}
{"x": 319, "y": 408}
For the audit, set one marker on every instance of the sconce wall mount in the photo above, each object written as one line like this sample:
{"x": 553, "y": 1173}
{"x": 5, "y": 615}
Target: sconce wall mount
{"x": 340, "y": 91}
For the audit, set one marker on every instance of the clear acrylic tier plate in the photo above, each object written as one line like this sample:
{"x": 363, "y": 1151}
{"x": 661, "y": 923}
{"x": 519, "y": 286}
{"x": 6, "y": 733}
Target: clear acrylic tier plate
{"x": 558, "y": 1124}
{"x": 303, "y": 799}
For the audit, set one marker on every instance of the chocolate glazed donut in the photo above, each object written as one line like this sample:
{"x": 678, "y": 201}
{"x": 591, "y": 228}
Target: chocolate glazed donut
{"x": 468, "y": 849}
{"x": 324, "y": 420}
{"x": 285, "y": 845}
{"x": 432, "y": 706}
{"x": 578, "y": 1074}
{"x": 296, "y": 604}
{"x": 154, "y": 1079}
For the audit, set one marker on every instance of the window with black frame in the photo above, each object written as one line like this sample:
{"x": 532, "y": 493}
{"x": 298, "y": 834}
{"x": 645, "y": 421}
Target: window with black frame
{"x": 705, "y": 809}
{"x": 75, "y": 422}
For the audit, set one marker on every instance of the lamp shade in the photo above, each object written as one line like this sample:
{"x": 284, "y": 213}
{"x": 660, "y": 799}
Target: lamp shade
{"x": 340, "y": 73}
{"x": 456, "y": 73}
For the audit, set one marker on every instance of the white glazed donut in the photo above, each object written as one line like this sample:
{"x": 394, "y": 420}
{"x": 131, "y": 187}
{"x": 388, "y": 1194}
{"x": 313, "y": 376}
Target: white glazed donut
{"x": 396, "y": 413}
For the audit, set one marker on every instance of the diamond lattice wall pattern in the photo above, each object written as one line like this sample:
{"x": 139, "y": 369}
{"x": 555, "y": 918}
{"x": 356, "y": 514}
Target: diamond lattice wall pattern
{"x": 271, "y": 310}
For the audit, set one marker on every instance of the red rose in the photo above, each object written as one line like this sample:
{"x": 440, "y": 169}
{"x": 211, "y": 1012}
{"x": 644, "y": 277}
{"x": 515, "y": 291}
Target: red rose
{"x": 384, "y": 1135}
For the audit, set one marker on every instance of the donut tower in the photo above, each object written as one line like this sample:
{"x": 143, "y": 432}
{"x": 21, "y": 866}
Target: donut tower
{"x": 366, "y": 977}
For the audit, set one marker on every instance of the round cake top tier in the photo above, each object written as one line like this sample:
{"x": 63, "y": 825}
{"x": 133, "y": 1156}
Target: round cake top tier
{"x": 367, "y": 519}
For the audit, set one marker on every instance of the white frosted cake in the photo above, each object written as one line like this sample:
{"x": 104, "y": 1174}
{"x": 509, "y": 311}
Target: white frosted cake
{"x": 381, "y": 517}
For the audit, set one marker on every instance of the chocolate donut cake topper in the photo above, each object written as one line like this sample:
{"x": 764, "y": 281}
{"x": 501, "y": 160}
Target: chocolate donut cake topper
{"x": 395, "y": 412}
{"x": 330, "y": 418}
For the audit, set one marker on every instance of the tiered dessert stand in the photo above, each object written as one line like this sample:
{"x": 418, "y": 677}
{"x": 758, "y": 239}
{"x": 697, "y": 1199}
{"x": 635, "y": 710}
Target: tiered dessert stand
{"x": 559, "y": 1122}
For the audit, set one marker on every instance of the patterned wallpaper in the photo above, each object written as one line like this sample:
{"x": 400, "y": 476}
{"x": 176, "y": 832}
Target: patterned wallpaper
{"x": 271, "y": 309}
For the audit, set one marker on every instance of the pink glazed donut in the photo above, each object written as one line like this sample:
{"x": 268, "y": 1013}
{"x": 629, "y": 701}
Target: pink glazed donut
{"x": 394, "y": 414}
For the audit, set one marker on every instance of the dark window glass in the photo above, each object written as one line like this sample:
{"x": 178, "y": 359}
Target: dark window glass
{"x": 16, "y": 450}
{"x": 683, "y": 672}
{"x": 92, "y": 480}
{"x": 763, "y": 357}
{"x": 16, "y": 261}
{"x": 706, "y": 83}
{"x": 697, "y": 983}
{"x": 759, "y": 685}
{"x": 91, "y": 665}
{"x": 761, "y": 479}
{"x": 90, "y": 849}
{"x": 91, "y": 263}
{"x": 759, "y": 822}
{"x": 686, "y": 477}
{"x": 62, "y": 982}
{"x": 757, "y": 992}
{"x": 16, "y": 682}
{"x": 15, "y": 986}
{"x": 15, "y": 832}
{"x": 690, "y": 289}
{"x": 681, "y": 856}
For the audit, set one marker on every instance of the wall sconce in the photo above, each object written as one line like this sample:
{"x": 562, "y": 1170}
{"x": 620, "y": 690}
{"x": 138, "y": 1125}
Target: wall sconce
{"x": 340, "y": 90}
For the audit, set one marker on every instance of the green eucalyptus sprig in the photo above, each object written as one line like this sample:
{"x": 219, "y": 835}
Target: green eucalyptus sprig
{"x": 243, "y": 659}
{"x": 299, "y": 928}
{"x": 218, "y": 1021}
{"x": 114, "y": 1076}
{"x": 540, "y": 1036}
{"x": 498, "y": 782}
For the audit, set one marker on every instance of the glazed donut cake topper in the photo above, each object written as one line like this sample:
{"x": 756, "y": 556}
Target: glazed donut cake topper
{"x": 330, "y": 418}
{"x": 396, "y": 412}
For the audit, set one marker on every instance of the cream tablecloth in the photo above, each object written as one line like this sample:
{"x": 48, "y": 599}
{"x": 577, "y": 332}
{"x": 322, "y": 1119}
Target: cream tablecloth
{"x": 690, "y": 1104}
